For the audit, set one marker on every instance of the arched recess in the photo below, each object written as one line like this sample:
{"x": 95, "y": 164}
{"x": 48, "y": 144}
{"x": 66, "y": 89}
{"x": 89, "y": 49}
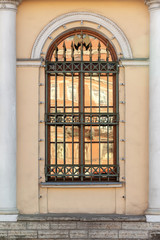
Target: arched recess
{"x": 106, "y": 23}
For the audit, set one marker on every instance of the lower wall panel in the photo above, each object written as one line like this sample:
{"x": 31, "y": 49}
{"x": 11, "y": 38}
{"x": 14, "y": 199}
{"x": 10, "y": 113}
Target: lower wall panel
{"x": 81, "y": 200}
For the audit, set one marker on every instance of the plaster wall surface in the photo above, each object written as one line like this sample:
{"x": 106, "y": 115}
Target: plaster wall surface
{"x": 133, "y": 18}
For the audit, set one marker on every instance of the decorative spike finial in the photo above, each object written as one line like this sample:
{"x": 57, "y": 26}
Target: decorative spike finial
{"x": 81, "y": 35}
{"x": 99, "y": 50}
{"x": 64, "y": 51}
{"x": 90, "y": 51}
{"x": 107, "y": 50}
{"x": 56, "y": 53}
{"x": 72, "y": 51}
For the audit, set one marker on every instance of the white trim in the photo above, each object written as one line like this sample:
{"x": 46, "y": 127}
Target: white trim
{"x": 135, "y": 63}
{"x": 23, "y": 63}
{"x": 37, "y": 63}
{"x": 8, "y": 218}
{"x": 81, "y": 16}
{"x": 153, "y": 218}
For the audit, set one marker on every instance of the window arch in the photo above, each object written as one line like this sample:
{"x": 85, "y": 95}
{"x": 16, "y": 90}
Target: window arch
{"x": 81, "y": 108}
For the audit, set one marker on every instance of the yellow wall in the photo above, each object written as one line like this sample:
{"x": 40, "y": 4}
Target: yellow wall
{"x": 133, "y": 18}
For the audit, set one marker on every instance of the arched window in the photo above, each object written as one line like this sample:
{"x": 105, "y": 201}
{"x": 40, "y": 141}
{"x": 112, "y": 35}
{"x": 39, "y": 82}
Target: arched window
{"x": 81, "y": 109}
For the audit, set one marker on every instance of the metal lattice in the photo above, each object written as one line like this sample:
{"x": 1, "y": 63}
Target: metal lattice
{"x": 82, "y": 113}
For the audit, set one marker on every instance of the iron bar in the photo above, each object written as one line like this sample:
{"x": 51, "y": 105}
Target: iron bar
{"x": 56, "y": 125}
{"x": 81, "y": 109}
{"x": 64, "y": 105}
{"x": 91, "y": 110}
{"x": 99, "y": 112}
{"x": 72, "y": 126}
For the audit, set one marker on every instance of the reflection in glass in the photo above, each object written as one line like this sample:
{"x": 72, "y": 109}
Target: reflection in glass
{"x": 95, "y": 153}
{"x": 60, "y": 153}
{"x": 87, "y": 91}
{"x": 52, "y": 134}
{"x": 76, "y": 153}
{"x": 76, "y": 134}
{"x": 52, "y": 153}
{"x": 68, "y": 131}
{"x": 87, "y": 134}
{"x": 68, "y": 153}
{"x": 95, "y": 133}
{"x": 60, "y": 135}
{"x": 87, "y": 153}
{"x": 103, "y": 159}
{"x": 111, "y": 151}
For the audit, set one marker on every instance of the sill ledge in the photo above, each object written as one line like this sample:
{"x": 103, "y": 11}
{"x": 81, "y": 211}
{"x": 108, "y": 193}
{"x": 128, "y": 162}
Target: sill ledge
{"x": 81, "y": 185}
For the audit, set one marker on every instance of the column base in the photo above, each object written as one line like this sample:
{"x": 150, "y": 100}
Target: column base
{"x": 8, "y": 215}
{"x": 153, "y": 218}
{"x": 8, "y": 218}
{"x": 153, "y": 215}
{"x": 152, "y": 211}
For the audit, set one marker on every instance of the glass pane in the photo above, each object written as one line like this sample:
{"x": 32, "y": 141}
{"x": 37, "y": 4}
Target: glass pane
{"x": 76, "y": 90}
{"x": 68, "y": 153}
{"x": 103, "y": 153}
{"x": 52, "y": 91}
{"x": 76, "y": 134}
{"x": 68, "y": 91}
{"x": 60, "y": 153}
{"x": 87, "y": 153}
{"x": 111, "y": 155}
{"x": 68, "y": 133}
{"x": 103, "y": 131}
{"x": 52, "y": 134}
{"x": 87, "y": 91}
{"x": 111, "y": 93}
{"x": 60, "y": 135}
{"x": 71, "y": 91}
{"x": 52, "y": 153}
{"x": 87, "y": 134}
{"x": 95, "y": 133}
{"x": 103, "y": 94}
{"x": 95, "y": 92}
{"x": 95, "y": 153}
{"x": 60, "y": 90}
{"x": 76, "y": 153}
{"x": 110, "y": 133}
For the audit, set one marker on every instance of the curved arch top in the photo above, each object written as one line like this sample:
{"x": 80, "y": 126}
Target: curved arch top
{"x": 81, "y": 16}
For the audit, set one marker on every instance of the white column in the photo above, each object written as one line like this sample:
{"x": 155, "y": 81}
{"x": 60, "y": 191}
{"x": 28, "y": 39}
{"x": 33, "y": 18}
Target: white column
{"x": 8, "y": 208}
{"x": 154, "y": 112}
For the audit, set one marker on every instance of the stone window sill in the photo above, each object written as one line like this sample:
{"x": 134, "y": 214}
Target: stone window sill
{"x": 81, "y": 185}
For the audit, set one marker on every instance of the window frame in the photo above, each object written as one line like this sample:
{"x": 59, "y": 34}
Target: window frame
{"x": 116, "y": 94}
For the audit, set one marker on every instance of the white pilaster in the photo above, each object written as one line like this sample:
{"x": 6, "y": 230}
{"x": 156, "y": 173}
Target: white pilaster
{"x": 154, "y": 110}
{"x": 8, "y": 108}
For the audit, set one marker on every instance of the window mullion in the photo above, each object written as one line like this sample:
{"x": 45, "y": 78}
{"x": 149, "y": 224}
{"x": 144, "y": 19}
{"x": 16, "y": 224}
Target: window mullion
{"x": 56, "y": 127}
{"x": 82, "y": 119}
{"x": 64, "y": 129}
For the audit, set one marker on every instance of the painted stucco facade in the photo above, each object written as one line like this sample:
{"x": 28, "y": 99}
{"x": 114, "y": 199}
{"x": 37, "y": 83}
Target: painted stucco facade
{"x": 126, "y": 24}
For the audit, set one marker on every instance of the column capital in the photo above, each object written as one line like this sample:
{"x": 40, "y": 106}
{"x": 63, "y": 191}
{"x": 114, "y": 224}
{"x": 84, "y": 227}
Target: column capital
{"x": 153, "y": 4}
{"x": 9, "y": 4}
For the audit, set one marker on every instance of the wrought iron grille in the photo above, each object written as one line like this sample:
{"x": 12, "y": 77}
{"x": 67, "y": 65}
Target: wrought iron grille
{"x": 82, "y": 113}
